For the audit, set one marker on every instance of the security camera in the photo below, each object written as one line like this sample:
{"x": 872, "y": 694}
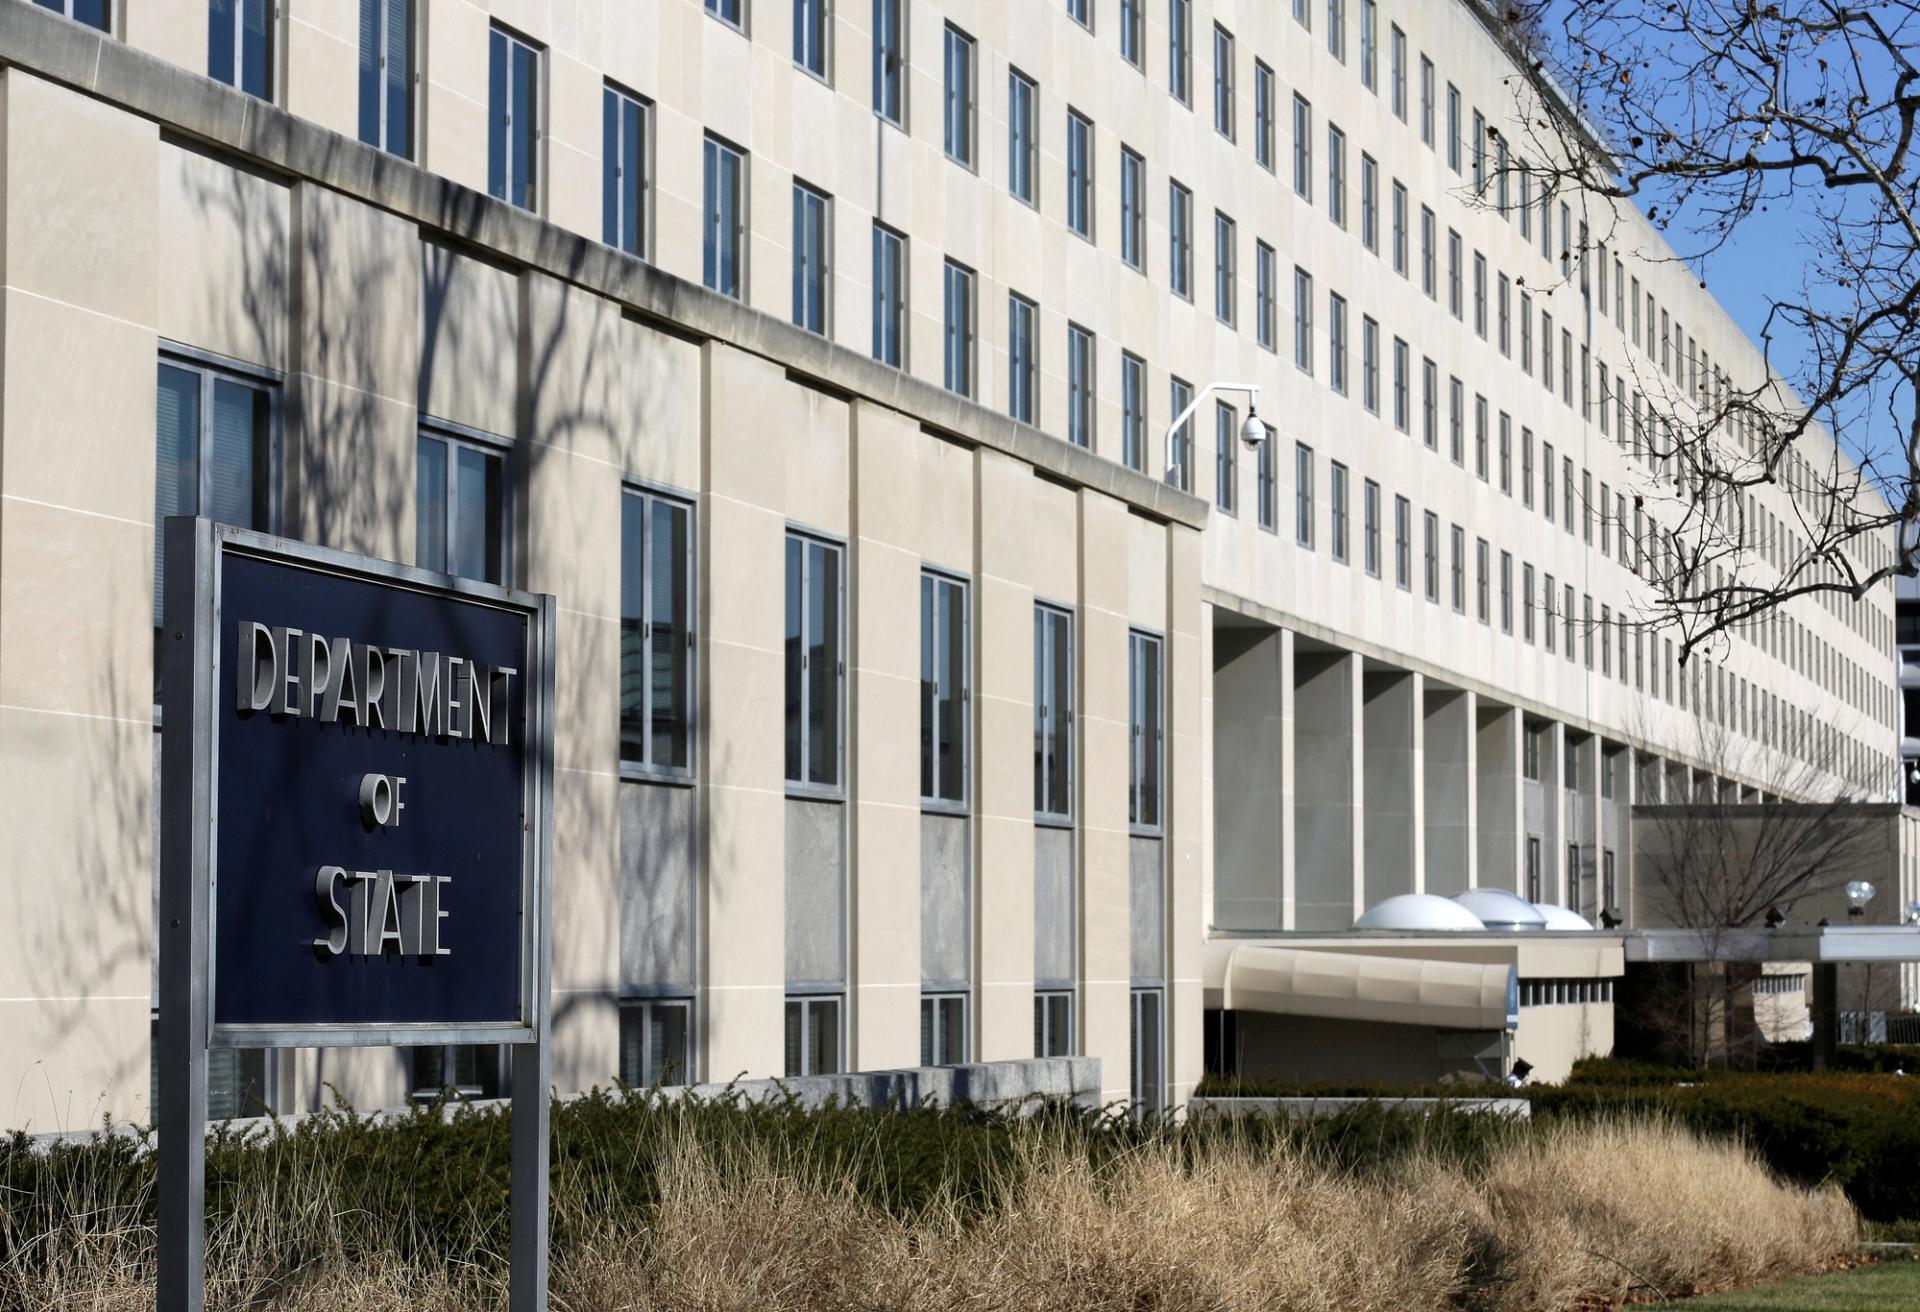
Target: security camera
{"x": 1253, "y": 432}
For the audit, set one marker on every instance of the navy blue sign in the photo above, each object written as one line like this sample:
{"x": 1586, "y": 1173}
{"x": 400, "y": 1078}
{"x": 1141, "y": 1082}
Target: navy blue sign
{"x": 372, "y": 788}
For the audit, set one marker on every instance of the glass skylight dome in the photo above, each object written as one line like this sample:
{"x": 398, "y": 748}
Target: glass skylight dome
{"x": 1562, "y": 918}
{"x": 1418, "y": 911}
{"x": 1501, "y": 910}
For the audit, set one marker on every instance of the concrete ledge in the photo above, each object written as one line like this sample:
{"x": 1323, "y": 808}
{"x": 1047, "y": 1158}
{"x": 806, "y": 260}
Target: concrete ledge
{"x": 1313, "y": 1109}
{"x": 42, "y": 43}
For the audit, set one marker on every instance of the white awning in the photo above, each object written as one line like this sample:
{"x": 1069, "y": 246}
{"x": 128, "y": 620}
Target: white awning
{"x": 1455, "y": 995}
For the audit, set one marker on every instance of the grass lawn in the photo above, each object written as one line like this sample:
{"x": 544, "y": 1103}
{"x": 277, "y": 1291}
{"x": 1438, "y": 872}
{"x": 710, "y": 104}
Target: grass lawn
{"x": 1889, "y": 1287}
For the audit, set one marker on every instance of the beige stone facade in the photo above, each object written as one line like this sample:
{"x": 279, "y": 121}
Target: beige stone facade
{"x": 1336, "y": 728}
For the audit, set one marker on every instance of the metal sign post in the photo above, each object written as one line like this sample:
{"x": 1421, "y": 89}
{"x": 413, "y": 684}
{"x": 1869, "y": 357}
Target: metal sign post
{"x": 356, "y": 817}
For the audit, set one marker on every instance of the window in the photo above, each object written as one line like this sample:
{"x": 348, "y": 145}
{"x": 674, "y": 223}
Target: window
{"x": 813, "y": 1035}
{"x": 1456, "y": 301}
{"x": 1144, "y": 730}
{"x": 656, "y": 632}
{"x": 1369, "y": 203}
{"x": 1480, "y": 437}
{"x": 1180, "y": 471}
{"x": 461, "y": 507}
{"x": 1132, "y": 32}
{"x": 240, "y": 44}
{"x": 1430, "y": 404}
{"x": 1303, "y": 495}
{"x": 1370, "y": 45}
{"x": 1402, "y": 385}
{"x": 1180, "y": 50}
{"x": 1432, "y": 557}
{"x": 1534, "y": 890}
{"x": 1303, "y": 13}
{"x": 1263, "y": 115}
{"x": 1338, "y": 497}
{"x": 1225, "y": 278}
{"x": 1400, "y": 229}
{"x": 624, "y": 186}
{"x": 387, "y": 71}
{"x": 889, "y": 61}
{"x": 1479, "y": 153}
{"x": 1504, "y": 311}
{"x": 655, "y": 1042}
{"x": 94, "y": 13}
{"x": 810, "y": 28}
{"x": 1566, "y": 617}
{"x": 1081, "y": 12}
{"x": 1397, "y": 71}
{"x": 1053, "y": 1012}
{"x": 1226, "y": 469}
{"x": 727, "y": 11}
{"x": 1453, "y": 127}
{"x": 1506, "y": 592}
{"x": 1459, "y": 574}
{"x": 1546, "y": 480}
{"x": 959, "y": 329}
{"x": 1023, "y": 147}
{"x": 513, "y": 120}
{"x": 1133, "y": 214}
{"x": 217, "y": 453}
{"x": 1303, "y": 149}
{"x": 1337, "y": 341}
{"x": 1079, "y": 174}
{"x": 1547, "y": 627}
{"x": 1223, "y": 87}
{"x": 1337, "y": 175}
{"x": 468, "y": 1071}
{"x": 1264, "y": 481}
{"x": 1402, "y": 543}
{"x": 1023, "y": 366}
{"x": 815, "y": 662}
{"x": 943, "y": 1029}
{"x": 725, "y": 227}
{"x": 1506, "y": 453}
{"x": 1052, "y": 712}
{"x": 1482, "y": 584}
{"x": 1370, "y": 364}
{"x": 1302, "y": 319}
{"x": 889, "y": 296}
{"x": 1456, "y": 421}
{"x": 1480, "y": 295}
{"x": 959, "y": 105}
{"x": 1370, "y": 527}
{"x": 1337, "y": 29}
{"x": 1429, "y": 239}
{"x": 1526, "y": 603}
{"x": 945, "y": 690}
{"x": 1265, "y": 312}
{"x": 810, "y": 272}
{"x": 1426, "y": 101}
{"x": 1145, "y": 1048}
{"x": 1180, "y": 239}
{"x": 1079, "y": 386}
{"x": 1566, "y": 490}
{"x": 1133, "y": 411}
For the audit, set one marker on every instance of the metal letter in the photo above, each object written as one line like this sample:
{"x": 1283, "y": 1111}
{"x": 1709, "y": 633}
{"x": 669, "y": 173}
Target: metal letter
{"x": 387, "y": 928}
{"x": 359, "y": 884}
{"x": 340, "y": 688}
{"x": 429, "y": 714}
{"x": 376, "y": 801}
{"x": 373, "y": 685}
{"x": 252, "y": 691}
{"x": 316, "y": 675}
{"x": 503, "y": 691}
{"x": 479, "y": 703}
{"x": 286, "y": 674}
{"x": 405, "y": 671}
{"x": 450, "y": 703}
{"x": 324, "y": 895}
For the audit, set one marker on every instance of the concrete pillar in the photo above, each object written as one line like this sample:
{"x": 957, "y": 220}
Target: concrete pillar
{"x": 1329, "y": 785}
{"x": 1450, "y": 787}
{"x": 1106, "y": 871}
{"x": 1500, "y": 836}
{"x": 1184, "y": 916}
{"x": 1394, "y": 832}
{"x": 1584, "y": 827}
{"x": 1252, "y": 732}
{"x": 1553, "y": 778}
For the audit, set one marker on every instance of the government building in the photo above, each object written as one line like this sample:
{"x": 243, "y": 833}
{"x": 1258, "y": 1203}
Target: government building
{"x": 929, "y": 691}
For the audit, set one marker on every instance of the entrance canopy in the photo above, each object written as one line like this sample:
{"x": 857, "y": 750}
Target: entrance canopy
{"x": 1455, "y": 995}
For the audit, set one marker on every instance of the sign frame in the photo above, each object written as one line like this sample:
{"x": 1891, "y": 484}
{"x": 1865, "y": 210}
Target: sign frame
{"x": 190, "y": 658}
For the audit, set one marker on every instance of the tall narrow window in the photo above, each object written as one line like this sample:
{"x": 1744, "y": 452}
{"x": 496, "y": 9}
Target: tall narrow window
{"x": 461, "y": 519}
{"x": 1133, "y": 411}
{"x": 513, "y": 120}
{"x": 1023, "y": 365}
{"x": 890, "y": 60}
{"x": 1146, "y": 1054}
{"x": 1081, "y": 12}
{"x": 1337, "y": 506}
{"x": 1226, "y": 241}
{"x": 813, "y": 1034}
{"x": 958, "y": 372}
{"x": 1337, "y": 29}
{"x": 1263, "y": 111}
{"x": 1303, "y": 149}
{"x": 815, "y": 662}
{"x": 810, "y": 28}
{"x": 1403, "y": 544}
{"x": 1370, "y": 364}
{"x": 945, "y": 690}
{"x": 1453, "y": 127}
{"x": 1145, "y": 730}
{"x": 1337, "y": 342}
{"x": 728, "y": 11}
{"x": 1456, "y": 276}
{"x": 1400, "y": 229}
{"x": 810, "y": 244}
{"x": 1458, "y": 561}
{"x": 1180, "y": 240}
{"x": 1303, "y": 495}
{"x": 1429, "y": 257}
{"x": 1052, "y": 713}
{"x": 1265, "y": 480}
{"x": 1053, "y": 1008}
{"x": 1265, "y": 294}
{"x": 889, "y": 296}
{"x": 1337, "y": 175}
{"x": 958, "y": 115}
{"x": 240, "y": 44}
{"x": 1226, "y": 464}
{"x": 1180, "y": 469}
{"x": 1303, "y": 320}
{"x": 1402, "y": 386}
{"x": 1397, "y": 71}
{"x": 1479, "y": 154}
{"x": 1223, "y": 82}
{"x": 1526, "y": 603}
{"x": 1370, "y": 45}
{"x": 1133, "y": 44}
{"x": 1369, "y": 203}
{"x": 1079, "y": 174}
{"x": 387, "y": 61}
{"x": 1426, "y": 102}
{"x": 1133, "y": 211}
{"x": 1456, "y": 421}
{"x": 1180, "y": 50}
{"x": 1079, "y": 385}
{"x": 724, "y": 191}
{"x": 623, "y": 171}
{"x": 1023, "y": 144}
{"x": 656, "y": 632}
{"x": 1430, "y": 404}
{"x": 1431, "y": 556}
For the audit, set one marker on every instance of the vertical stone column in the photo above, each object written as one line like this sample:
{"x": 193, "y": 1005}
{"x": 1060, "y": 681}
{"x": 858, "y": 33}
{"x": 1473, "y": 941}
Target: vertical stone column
{"x": 1553, "y": 779}
{"x": 1586, "y": 826}
{"x": 743, "y": 573}
{"x": 1329, "y": 786}
{"x": 1106, "y": 871}
{"x": 1003, "y": 755}
{"x": 1184, "y": 916}
{"x": 1450, "y": 784}
{"x": 1252, "y": 734}
{"x": 1500, "y": 847}
{"x": 883, "y": 786}
{"x": 1393, "y": 829}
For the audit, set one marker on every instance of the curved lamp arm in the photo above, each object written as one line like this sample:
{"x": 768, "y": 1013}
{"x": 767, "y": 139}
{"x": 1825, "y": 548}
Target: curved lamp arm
{"x": 1253, "y": 413}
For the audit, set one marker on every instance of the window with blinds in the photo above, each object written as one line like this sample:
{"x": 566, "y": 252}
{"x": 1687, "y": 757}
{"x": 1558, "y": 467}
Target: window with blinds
{"x": 656, "y": 634}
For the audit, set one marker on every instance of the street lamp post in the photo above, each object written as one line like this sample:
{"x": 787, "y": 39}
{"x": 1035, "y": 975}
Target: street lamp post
{"x": 1252, "y": 432}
